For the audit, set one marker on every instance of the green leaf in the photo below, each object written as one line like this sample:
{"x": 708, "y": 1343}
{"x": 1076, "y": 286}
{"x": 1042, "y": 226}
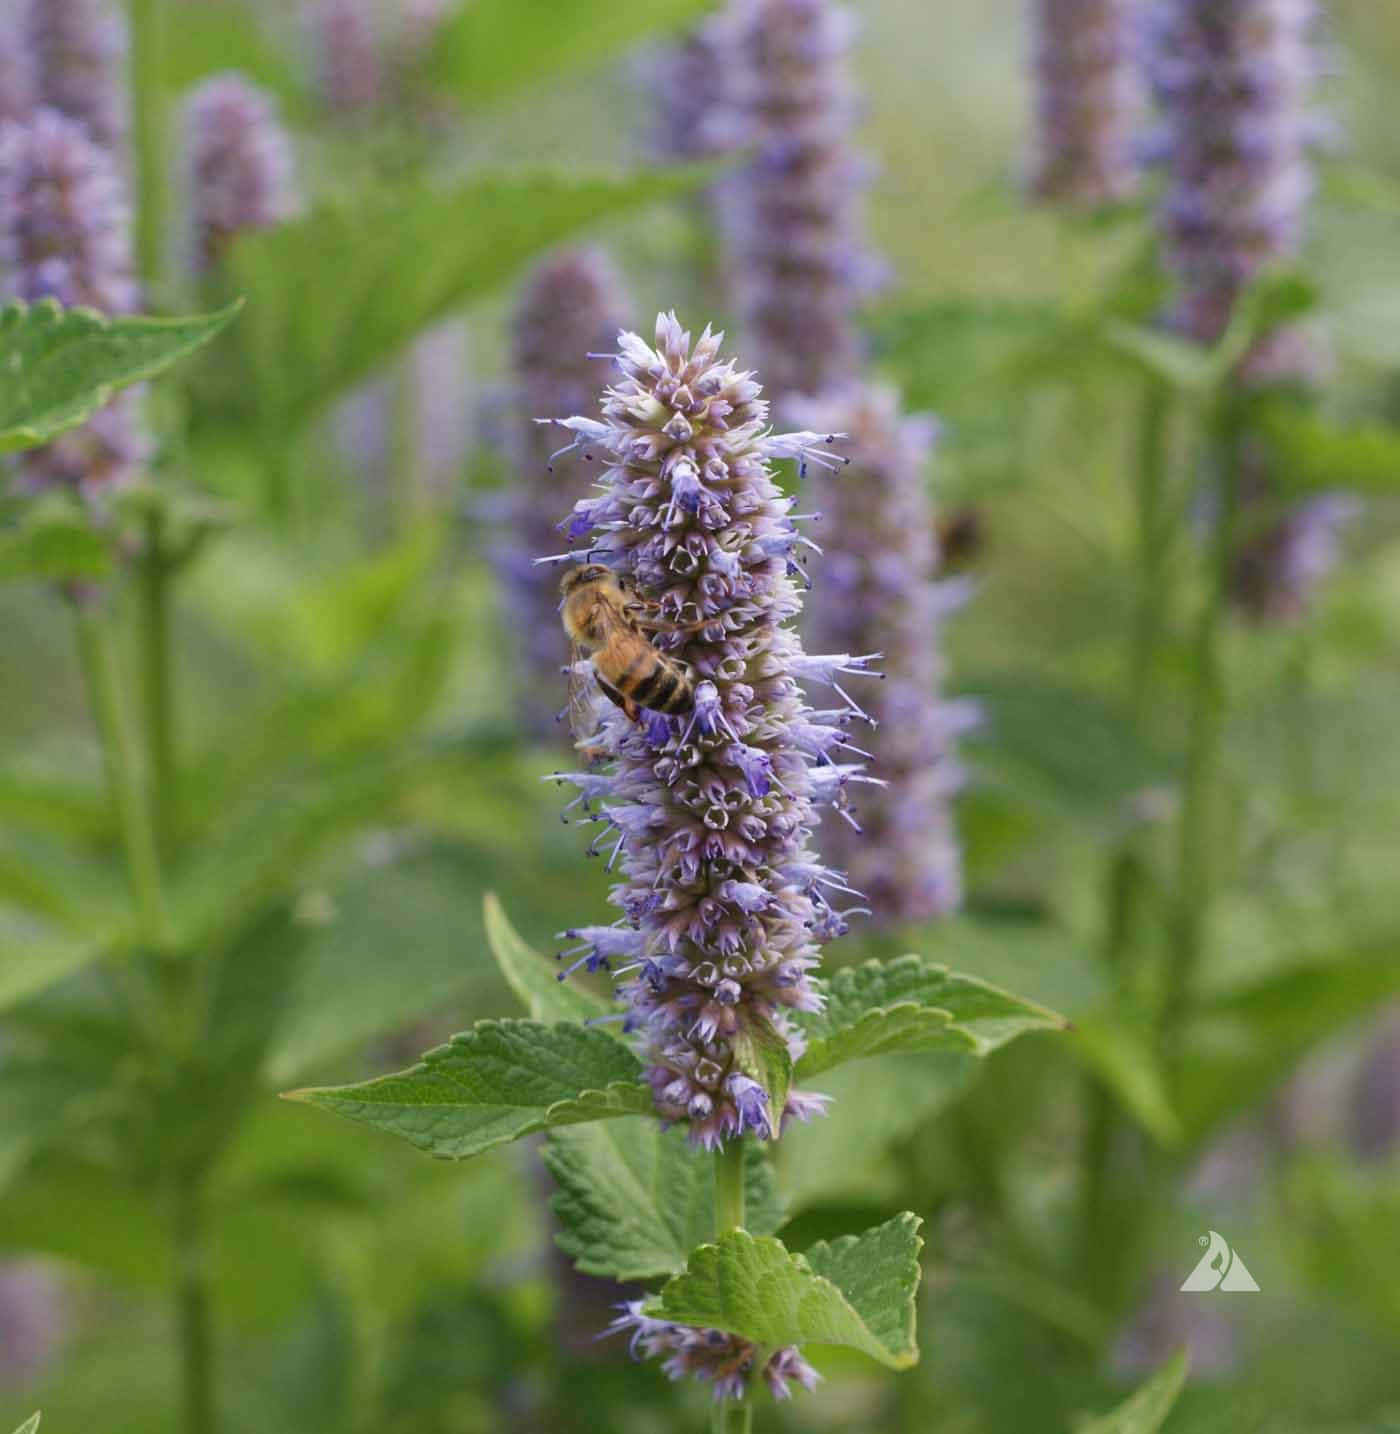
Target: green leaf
{"x": 495, "y": 1083}
{"x": 1062, "y": 749}
{"x": 535, "y": 978}
{"x": 1237, "y": 1045}
{"x": 882, "y": 1008}
{"x": 1147, "y": 1410}
{"x": 30, "y": 1425}
{"x": 634, "y": 1200}
{"x": 842, "y": 1157}
{"x": 62, "y": 365}
{"x": 1276, "y": 298}
{"x": 857, "y": 1291}
{"x": 378, "y": 270}
{"x": 1310, "y": 453}
{"x": 1121, "y": 1051}
{"x": 216, "y": 36}
{"x": 491, "y": 48}
{"x": 54, "y": 546}
{"x": 427, "y": 913}
{"x": 1178, "y": 362}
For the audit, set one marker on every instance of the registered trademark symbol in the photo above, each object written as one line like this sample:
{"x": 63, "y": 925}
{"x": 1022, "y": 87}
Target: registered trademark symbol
{"x": 1202, "y": 1240}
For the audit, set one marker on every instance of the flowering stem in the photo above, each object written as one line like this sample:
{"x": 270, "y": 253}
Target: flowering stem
{"x": 119, "y": 755}
{"x": 1197, "y": 854}
{"x": 156, "y": 682}
{"x": 148, "y": 36}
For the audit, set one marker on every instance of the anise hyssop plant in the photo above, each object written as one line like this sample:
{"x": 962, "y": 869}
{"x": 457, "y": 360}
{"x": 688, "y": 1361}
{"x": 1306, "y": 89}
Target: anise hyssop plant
{"x": 724, "y": 907}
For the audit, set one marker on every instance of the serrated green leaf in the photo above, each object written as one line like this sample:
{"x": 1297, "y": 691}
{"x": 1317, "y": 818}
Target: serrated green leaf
{"x": 857, "y": 1291}
{"x": 61, "y": 365}
{"x": 491, "y": 48}
{"x": 493, "y": 1084}
{"x": 30, "y": 1425}
{"x": 1146, "y": 1411}
{"x": 634, "y": 1200}
{"x": 535, "y": 978}
{"x": 378, "y": 270}
{"x": 883, "y": 1008}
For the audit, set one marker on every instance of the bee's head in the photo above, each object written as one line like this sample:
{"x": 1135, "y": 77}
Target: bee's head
{"x": 581, "y": 576}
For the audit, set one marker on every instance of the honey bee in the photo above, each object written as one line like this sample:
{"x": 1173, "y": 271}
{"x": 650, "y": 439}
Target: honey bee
{"x": 603, "y": 617}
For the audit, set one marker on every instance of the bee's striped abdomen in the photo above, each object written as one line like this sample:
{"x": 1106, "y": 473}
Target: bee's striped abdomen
{"x": 665, "y": 688}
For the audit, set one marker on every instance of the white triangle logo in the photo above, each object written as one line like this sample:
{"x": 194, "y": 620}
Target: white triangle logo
{"x": 1218, "y": 1269}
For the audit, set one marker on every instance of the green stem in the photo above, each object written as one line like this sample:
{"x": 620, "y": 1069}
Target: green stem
{"x": 1153, "y": 550}
{"x": 148, "y": 38}
{"x": 193, "y": 1322}
{"x": 156, "y": 682}
{"x": 730, "y": 1416}
{"x": 119, "y": 756}
{"x": 1198, "y": 853}
{"x": 405, "y": 481}
{"x": 1124, "y": 883}
{"x": 729, "y": 1187}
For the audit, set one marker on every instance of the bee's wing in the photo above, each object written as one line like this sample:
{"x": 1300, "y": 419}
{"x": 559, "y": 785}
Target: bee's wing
{"x": 583, "y": 716}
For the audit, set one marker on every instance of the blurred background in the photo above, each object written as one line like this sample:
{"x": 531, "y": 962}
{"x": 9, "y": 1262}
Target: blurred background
{"x": 355, "y": 774}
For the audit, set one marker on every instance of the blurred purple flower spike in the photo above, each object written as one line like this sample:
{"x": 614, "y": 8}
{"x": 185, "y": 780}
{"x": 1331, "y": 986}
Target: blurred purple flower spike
{"x": 1087, "y": 104}
{"x": 571, "y": 306}
{"x": 239, "y": 166}
{"x": 65, "y": 234}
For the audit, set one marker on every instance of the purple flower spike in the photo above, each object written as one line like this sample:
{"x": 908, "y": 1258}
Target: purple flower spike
{"x": 79, "y": 55}
{"x": 345, "y": 53}
{"x": 710, "y": 813}
{"x": 571, "y": 306}
{"x": 65, "y": 235}
{"x": 1086, "y": 101}
{"x": 724, "y": 1361}
{"x": 16, "y": 73}
{"x": 1233, "y": 79}
{"x": 877, "y": 588}
{"x": 694, "y": 85}
{"x": 66, "y": 232}
{"x": 793, "y": 216}
{"x": 240, "y": 169}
